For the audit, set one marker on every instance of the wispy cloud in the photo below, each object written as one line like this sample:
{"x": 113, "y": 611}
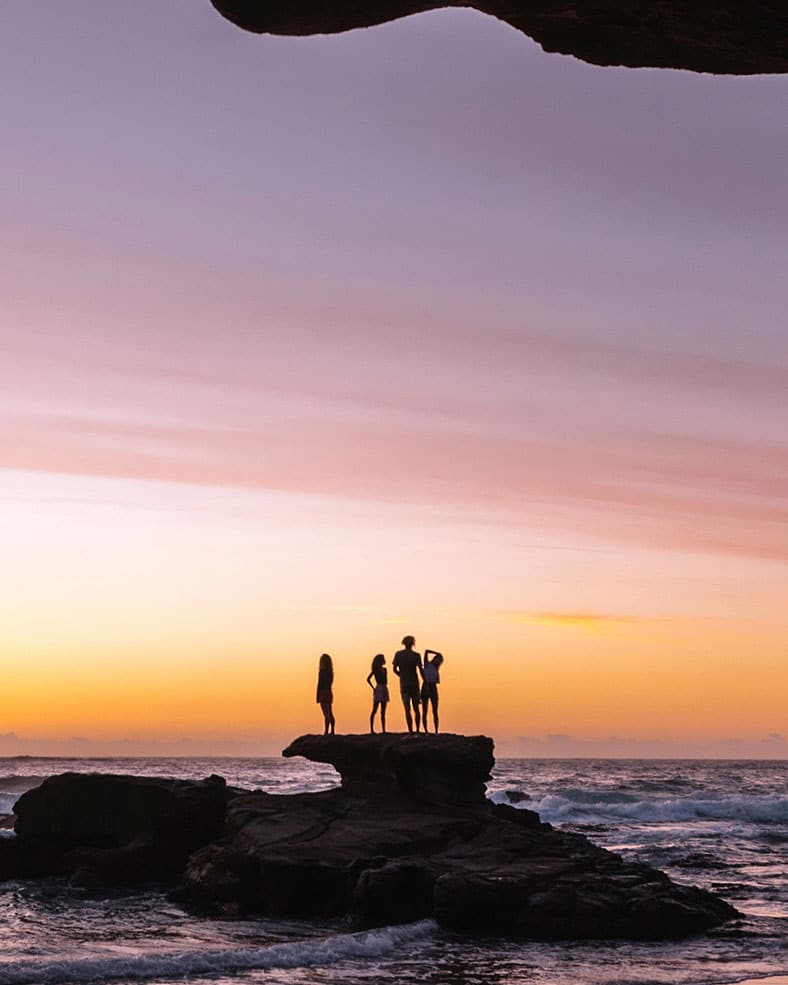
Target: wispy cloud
{"x": 626, "y": 484}
{"x": 589, "y": 622}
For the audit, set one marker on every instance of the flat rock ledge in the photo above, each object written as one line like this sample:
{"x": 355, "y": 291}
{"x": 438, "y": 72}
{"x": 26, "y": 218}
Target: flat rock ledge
{"x": 409, "y": 834}
{"x": 431, "y": 768}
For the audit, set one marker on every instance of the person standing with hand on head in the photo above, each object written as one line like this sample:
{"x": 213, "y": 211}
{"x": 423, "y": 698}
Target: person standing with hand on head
{"x": 325, "y": 692}
{"x": 429, "y": 689}
{"x": 407, "y": 666}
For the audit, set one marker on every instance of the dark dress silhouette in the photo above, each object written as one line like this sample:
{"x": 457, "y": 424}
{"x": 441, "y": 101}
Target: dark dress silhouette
{"x": 325, "y": 692}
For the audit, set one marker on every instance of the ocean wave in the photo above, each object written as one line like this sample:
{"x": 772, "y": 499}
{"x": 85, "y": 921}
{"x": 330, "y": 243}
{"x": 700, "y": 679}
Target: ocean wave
{"x": 600, "y": 806}
{"x": 18, "y": 783}
{"x": 296, "y": 954}
{"x": 7, "y": 802}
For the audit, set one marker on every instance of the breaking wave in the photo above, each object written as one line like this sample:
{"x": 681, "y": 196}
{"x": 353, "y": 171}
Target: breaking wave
{"x": 297, "y": 954}
{"x": 597, "y": 806}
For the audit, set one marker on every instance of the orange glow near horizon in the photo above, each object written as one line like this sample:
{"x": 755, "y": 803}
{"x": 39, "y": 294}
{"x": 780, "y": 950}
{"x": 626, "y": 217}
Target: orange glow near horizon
{"x": 308, "y": 343}
{"x": 173, "y": 626}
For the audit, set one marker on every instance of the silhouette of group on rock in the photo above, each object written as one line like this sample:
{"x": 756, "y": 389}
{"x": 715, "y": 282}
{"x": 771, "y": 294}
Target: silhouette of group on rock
{"x": 418, "y": 687}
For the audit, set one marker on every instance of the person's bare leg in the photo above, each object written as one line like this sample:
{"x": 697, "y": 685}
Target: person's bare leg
{"x": 424, "y": 712}
{"x": 383, "y": 716}
{"x": 417, "y": 713}
{"x": 325, "y": 707}
{"x": 408, "y": 719}
{"x": 434, "y": 712}
{"x": 375, "y": 704}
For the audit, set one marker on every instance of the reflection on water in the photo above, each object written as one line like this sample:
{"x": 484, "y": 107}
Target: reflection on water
{"x": 656, "y": 812}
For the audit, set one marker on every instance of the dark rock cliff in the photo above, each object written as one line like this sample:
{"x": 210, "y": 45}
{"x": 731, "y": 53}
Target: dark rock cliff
{"x": 97, "y": 827}
{"x": 720, "y": 36}
{"x": 409, "y": 834}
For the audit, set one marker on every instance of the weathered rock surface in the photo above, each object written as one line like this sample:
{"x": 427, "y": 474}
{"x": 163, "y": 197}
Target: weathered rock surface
{"x": 394, "y": 845}
{"x": 720, "y": 36}
{"x": 409, "y": 834}
{"x": 96, "y": 827}
{"x": 439, "y": 769}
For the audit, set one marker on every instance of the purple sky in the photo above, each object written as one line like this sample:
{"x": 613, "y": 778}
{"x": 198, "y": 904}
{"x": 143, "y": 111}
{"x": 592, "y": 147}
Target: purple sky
{"x": 428, "y": 238}
{"x": 422, "y": 268}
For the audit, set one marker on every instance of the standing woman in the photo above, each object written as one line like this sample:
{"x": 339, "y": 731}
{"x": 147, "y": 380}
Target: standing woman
{"x": 325, "y": 695}
{"x": 429, "y": 689}
{"x": 380, "y": 690}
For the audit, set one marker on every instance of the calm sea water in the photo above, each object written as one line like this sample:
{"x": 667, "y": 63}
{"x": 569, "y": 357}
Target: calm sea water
{"x": 720, "y": 825}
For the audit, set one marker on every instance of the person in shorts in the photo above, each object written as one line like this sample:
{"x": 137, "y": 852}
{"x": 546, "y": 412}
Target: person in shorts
{"x": 380, "y": 691}
{"x": 407, "y": 666}
{"x": 429, "y": 689}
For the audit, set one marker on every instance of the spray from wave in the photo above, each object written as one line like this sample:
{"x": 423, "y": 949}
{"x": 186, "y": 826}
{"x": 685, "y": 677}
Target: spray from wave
{"x": 596, "y": 806}
{"x": 297, "y": 954}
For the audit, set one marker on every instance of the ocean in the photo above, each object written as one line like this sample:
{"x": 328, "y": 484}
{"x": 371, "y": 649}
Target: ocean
{"x": 722, "y": 825}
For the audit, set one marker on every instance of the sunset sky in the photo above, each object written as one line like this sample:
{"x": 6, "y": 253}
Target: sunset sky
{"x": 309, "y": 343}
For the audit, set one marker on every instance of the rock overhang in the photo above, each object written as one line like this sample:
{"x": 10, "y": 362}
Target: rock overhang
{"x": 727, "y": 37}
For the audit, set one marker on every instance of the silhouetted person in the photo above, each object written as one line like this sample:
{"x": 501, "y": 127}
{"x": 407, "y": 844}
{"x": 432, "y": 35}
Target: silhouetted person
{"x": 429, "y": 689}
{"x": 325, "y": 693}
{"x": 380, "y": 690}
{"x": 407, "y": 666}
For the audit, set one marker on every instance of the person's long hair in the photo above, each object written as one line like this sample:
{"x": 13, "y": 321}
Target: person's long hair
{"x": 326, "y": 663}
{"x": 377, "y": 662}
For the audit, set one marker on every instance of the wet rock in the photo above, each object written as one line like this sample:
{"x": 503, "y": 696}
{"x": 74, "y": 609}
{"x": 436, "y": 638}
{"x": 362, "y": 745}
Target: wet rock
{"x": 399, "y": 892}
{"x": 102, "y": 827}
{"x": 728, "y": 37}
{"x": 397, "y": 843}
{"x": 409, "y": 834}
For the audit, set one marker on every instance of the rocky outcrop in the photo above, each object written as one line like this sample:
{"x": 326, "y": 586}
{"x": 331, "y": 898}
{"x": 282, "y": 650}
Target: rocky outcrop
{"x": 394, "y": 844}
{"x": 409, "y": 834}
{"x": 724, "y": 37}
{"x": 98, "y": 827}
{"x": 451, "y": 769}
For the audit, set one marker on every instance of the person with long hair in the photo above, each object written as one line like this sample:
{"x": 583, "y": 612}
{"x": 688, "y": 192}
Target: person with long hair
{"x": 325, "y": 693}
{"x": 429, "y": 689}
{"x": 380, "y": 691}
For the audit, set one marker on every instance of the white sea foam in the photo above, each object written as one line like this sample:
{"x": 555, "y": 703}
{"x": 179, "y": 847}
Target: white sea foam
{"x": 297, "y": 954}
{"x": 7, "y": 801}
{"x": 597, "y": 806}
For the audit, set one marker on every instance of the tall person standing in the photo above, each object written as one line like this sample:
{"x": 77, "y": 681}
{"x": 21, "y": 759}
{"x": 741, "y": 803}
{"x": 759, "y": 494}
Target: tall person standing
{"x": 407, "y": 666}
